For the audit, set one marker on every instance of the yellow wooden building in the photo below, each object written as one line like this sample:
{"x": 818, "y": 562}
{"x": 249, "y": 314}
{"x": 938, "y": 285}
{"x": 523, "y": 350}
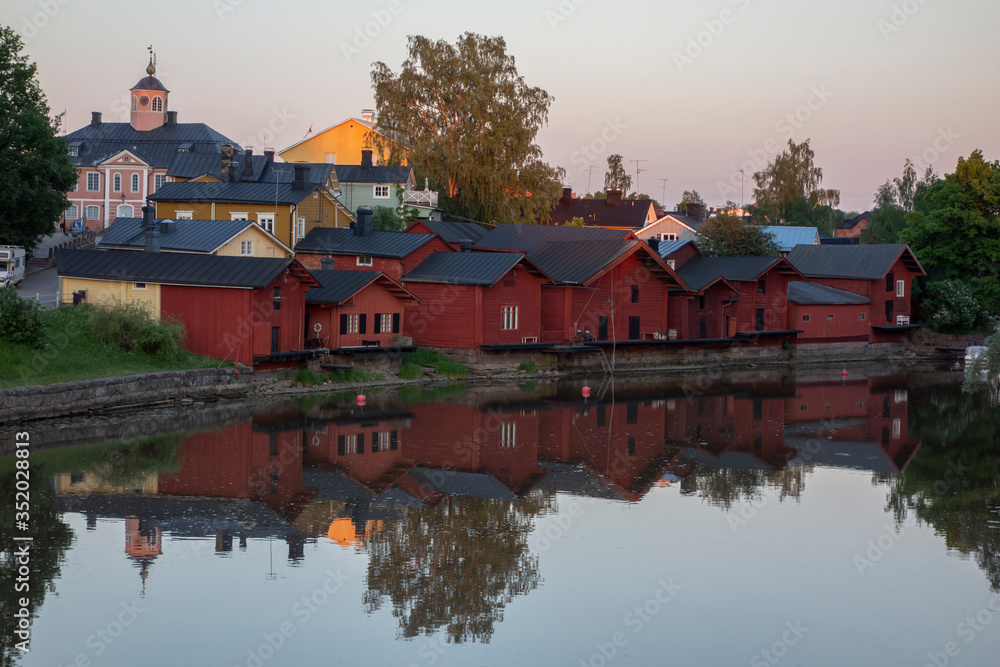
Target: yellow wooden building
{"x": 338, "y": 144}
{"x": 232, "y": 238}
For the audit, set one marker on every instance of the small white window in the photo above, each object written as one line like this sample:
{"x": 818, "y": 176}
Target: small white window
{"x": 135, "y": 102}
{"x": 805, "y": 318}
{"x": 157, "y": 104}
{"x": 381, "y": 192}
{"x": 125, "y": 211}
{"x": 266, "y": 221}
{"x": 73, "y": 151}
{"x": 350, "y": 444}
{"x": 331, "y": 158}
{"x": 183, "y": 215}
{"x": 508, "y": 434}
{"x": 158, "y": 181}
{"x": 900, "y": 288}
{"x": 672, "y": 263}
{"x": 352, "y": 324}
{"x": 93, "y": 181}
{"x": 117, "y": 183}
{"x": 897, "y": 429}
{"x": 239, "y": 216}
{"x": 862, "y": 317}
{"x": 73, "y": 212}
{"x": 93, "y": 212}
{"x": 246, "y": 247}
{"x": 364, "y": 261}
{"x": 385, "y": 324}
{"x": 300, "y": 230}
{"x": 141, "y": 287}
{"x": 508, "y": 318}
{"x": 829, "y": 318}
{"x": 135, "y": 182}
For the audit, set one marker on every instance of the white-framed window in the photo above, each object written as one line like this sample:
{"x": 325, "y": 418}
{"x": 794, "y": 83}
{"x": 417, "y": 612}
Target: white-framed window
{"x": 331, "y": 158}
{"x": 862, "y": 317}
{"x": 900, "y": 288}
{"x": 829, "y": 318}
{"x": 381, "y": 192}
{"x": 364, "y": 260}
{"x": 668, "y": 237}
{"x": 508, "y": 318}
{"x": 508, "y": 434}
{"x": 116, "y": 183}
{"x": 93, "y": 212}
{"x": 158, "y": 181}
{"x": 350, "y": 444}
{"x": 76, "y": 186}
{"x": 73, "y": 212}
{"x": 135, "y": 182}
{"x": 183, "y": 215}
{"x": 157, "y": 104}
{"x": 805, "y": 318}
{"x": 385, "y": 322}
{"x": 897, "y": 428}
{"x": 125, "y": 211}
{"x": 93, "y": 181}
{"x": 300, "y": 228}
{"x": 352, "y": 324}
{"x": 901, "y": 396}
{"x": 73, "y": 151}
{"x": 672, "y": 263}
{"x": 239, "y": 216}
{"x": 141, "y": 287}
{"x": 246, "y": 247}
{"x": 135, "y": 103}
{"x": 266, "y": 220}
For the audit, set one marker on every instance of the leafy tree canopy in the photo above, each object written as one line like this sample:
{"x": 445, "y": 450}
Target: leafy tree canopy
{"x": 35, "y": 172}
{"x": 690, "y": 197}
{"x": 469, "y": 122}
{"x": 789, "y": 186}
{"x": 732, "y": 236}
{"x": 616, "y": 178}
{"x": 958, "y": 235}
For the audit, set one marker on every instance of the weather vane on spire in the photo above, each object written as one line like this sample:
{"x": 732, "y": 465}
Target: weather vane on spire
{"x": 151, "y": 68}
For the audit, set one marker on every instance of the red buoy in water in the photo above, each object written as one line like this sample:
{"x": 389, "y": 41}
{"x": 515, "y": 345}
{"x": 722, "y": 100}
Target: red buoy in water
{"x": 361, "y": 400}
{"x": 586, "y": 391}
{"x": 843, "y": 373}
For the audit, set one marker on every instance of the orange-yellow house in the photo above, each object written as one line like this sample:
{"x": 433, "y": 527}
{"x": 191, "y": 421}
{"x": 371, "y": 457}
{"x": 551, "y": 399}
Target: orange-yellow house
{"x": 338, "y": 144}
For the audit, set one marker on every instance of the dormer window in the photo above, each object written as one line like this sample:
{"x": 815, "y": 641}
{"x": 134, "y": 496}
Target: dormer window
{"x": 73, "y": 151}
{"x": 157, "y": 104}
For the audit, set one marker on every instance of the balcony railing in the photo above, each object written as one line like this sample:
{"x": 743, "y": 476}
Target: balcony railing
{"x": 421, "y": 198}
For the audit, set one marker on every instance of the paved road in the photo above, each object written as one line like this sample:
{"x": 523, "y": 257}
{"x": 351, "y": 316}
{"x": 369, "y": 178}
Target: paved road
{"x": 44, "y": 283}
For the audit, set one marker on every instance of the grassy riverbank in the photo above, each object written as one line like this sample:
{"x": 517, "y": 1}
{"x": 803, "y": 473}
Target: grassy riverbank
{"x": 74, "y": 351}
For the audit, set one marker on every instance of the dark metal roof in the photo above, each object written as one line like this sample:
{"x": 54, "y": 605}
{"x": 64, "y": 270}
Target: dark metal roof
{"x": 598, "y": 212}
{"x": 840, "y": 240}
{"x": 667, "y": 248}
{"x": 806, "y": 292}
{"x": 150, "y": 83}
{"x": 464, "y": 268}
{"x": 694, "y": 223}
{"x": 232, "y": 192}
{"x": 157, "y": 147}
{"x": 355, "y": 173}
{"x": 703, "y": 271}
{"x": 860, "y": 262}
{"x": 455, "y": 232}
{"x": 576, "y": 262}
{"x": 170, "y": 268}
{"x": 851, "y": 223}
{"x": 526, "y": 237}
{"x": 326, "y": 241}
{"x": 339, "y": 286}
{"x": 187, "y": 236}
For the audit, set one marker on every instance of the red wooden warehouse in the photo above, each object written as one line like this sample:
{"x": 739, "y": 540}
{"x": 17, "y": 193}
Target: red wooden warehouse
{"x": 355, "y": 309}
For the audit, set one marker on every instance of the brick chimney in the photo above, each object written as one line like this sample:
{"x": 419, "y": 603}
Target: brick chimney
{"x": 152, "y": 233}
{"x": 614, "y": 198}
{"x": 363, "y": 227}
{"x": 567, "y": 196}
{"x": 695, "y": 211}
{"x": 248, "y": 163}
{"x": 95, "y": 118}
{"x": 171, "y": 119}
{"x": 366, "y": 159}
{"x": 269, "y": 154}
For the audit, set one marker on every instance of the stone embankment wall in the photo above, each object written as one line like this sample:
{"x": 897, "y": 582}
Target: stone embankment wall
{"x": 89, "y": 396}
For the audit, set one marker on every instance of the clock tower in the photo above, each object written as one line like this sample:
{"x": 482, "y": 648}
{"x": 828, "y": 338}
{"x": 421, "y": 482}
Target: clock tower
{"x": 149, "y": 100}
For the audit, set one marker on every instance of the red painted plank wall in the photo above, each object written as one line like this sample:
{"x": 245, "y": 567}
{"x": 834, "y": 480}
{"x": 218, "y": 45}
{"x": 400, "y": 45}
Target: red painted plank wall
{"x": 214, "y": 319}
{"x": 372, "y": 301}
{"x": 447, "y": 317}
{"x": 519, "y": 288}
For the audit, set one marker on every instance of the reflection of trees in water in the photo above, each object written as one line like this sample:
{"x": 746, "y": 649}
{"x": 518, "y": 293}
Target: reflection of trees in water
{"x": 132, "y": 461}
{"x": 953, "y": 481}
{"x": 723, "y": 487}
{"x": 455, "y": 565}
{"x": 51, "y": 539}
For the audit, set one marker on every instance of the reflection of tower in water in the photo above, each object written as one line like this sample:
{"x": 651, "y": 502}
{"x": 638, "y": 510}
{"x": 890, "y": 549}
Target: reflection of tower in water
{"x": 143, "y": 543}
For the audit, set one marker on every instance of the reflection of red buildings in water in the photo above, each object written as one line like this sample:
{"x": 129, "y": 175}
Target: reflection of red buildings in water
{"x": 368, "y": 452}
{"x": 143, "y": 543}
{"x": 241, "y": 462}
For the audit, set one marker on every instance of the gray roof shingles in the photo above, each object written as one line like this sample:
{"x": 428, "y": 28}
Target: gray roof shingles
{"x": 188, "y": 236}
{"x": 339, "y": 286}
{"x": 170, "y": 268}
{"x": 806, "y": 292}
{"x": 464, "y": 268}
{"x": 326, "y": 241}
{"x": 860, "y": 262}
{"x": 232, "y": 192}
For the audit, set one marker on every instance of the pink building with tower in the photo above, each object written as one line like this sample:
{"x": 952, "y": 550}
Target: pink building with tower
{"x": 120, "y": 164}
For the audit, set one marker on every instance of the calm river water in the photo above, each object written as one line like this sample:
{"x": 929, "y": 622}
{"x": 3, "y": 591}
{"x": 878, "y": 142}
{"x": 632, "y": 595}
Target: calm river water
{"x": 753, "y": 521}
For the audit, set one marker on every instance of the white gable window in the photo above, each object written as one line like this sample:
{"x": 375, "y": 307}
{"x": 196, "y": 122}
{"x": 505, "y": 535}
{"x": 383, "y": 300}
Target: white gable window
{"x": 72, "y": 212}
{"x": 117, "y": 183}
{"x": 364, "y": 261}
{"x": 246, "y": 248}
{"x": 93, "y": 212}
{"x": 266, "y": 220}
{"x": 331, "y": 158}
{"x": 900, "y": 288}
{"x": 381, "y": 192}
{"x": 239, "y": 216}
{"x": 73, "y": 151}
{"x": 158, "y": 181}
{"x": 157, "y": 104}
{"x": 300, "y": 230}
{"x": 139, "y": 286}
{"x": 93, "y": 181}
{"x": 183, "y": 215}
{"x": 135, "y": 182}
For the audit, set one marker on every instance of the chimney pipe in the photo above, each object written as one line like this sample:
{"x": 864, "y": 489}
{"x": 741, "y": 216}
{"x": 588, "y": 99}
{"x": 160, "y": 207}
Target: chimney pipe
{"x": 300, "y": 177}
{"x": 363, "y": 227}
{"x": 95, "y": 118}
{"x": 694, "y": 210}
{"x": 171, "y": 119}
{"x": 465, "y": 246}
{"x": 152, "y": 238}
{"x": 226, "y": 160}
{"x": 567, "y": 196}
{"x": 368, "y": 115}
{"x": 269, "y": 155}
{"x": 147, "y": 217}
{"x": 366, "y": 159}
{"x": 326, "y": 263}
{"x": 248, "y": 163}
{"x": 614, "y": 198}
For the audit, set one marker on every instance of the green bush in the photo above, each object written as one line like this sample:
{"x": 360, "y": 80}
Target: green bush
{"x": 133, "y": 328}
{"x": 21, "y": 321}
{"x": 451, "y": 368}
{"x": 410, "y": 371}
{"x": 527, "y": 366}
{"x": 442, "y": 365}
{"x": 307, "y": 378}
{"x": 950, "y": 306}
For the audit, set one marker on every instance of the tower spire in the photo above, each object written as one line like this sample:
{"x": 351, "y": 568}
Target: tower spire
{"x": 151, "y": 67}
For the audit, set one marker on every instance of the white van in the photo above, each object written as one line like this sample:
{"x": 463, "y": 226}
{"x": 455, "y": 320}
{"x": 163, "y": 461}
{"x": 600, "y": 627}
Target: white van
{"x": 12, "y": 263}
